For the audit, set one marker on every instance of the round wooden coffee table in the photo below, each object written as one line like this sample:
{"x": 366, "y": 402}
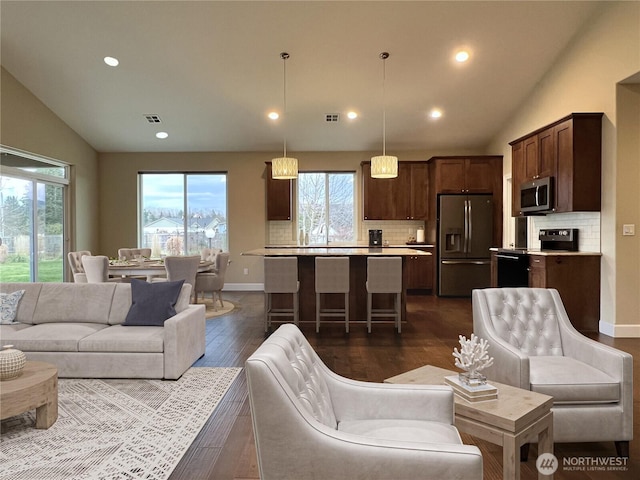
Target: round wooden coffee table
{"x": 36, "y": 388}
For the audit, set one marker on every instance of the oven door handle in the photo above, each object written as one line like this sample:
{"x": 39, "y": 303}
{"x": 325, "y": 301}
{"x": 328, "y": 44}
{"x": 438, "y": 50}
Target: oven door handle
{"x": 508, "y": 257}
{"x": 465, "y": 262}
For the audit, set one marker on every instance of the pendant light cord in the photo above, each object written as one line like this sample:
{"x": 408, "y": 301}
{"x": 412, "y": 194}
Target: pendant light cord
{"x": 384, "y": 56}
{"x": 284, "y": 56}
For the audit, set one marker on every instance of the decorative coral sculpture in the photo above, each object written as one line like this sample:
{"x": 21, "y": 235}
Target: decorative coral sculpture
{"x": 472, "y": 357}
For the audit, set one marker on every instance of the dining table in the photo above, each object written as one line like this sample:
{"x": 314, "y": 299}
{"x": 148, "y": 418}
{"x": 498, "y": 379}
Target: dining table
{"x": 148, "y": 267}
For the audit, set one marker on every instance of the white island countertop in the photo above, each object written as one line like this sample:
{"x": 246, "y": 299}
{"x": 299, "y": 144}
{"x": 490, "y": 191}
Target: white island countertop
{"x": 335, "y": 251}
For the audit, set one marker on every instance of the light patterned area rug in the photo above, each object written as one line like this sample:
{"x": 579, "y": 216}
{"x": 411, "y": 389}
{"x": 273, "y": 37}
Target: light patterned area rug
{"x": 114, "y": 429}
{"x": 216, "y": 311}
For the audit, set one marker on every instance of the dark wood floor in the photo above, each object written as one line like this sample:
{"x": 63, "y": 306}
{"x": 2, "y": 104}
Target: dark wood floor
{"x": 224, "y": 449}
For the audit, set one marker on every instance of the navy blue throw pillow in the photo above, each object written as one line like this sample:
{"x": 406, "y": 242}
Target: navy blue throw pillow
{"x": 152, "y": 303}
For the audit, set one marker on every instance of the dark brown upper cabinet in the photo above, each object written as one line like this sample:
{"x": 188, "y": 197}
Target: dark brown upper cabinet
{"x": 569, "y": 150}
{"x": 278, "y": 197}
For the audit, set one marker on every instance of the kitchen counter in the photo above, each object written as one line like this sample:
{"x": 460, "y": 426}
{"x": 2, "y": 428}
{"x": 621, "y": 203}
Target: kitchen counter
{"x": 355, "y": 245}
{"x": 537, "y": 251}
{"x": 357, "y": 276}
{"x": 296, "y": 251}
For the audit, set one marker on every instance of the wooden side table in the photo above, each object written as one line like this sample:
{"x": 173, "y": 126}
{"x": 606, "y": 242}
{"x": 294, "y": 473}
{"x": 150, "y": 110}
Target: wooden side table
{"x": 515, "y": 418}
{"x": 36, "y": 388}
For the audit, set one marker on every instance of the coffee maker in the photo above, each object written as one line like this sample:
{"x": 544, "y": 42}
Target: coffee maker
{"x": 375, "y": 238}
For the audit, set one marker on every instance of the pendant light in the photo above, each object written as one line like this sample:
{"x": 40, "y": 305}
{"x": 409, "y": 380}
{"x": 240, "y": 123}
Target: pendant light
{"x": 384, "y": 166}
{"x": 284, "y": 168}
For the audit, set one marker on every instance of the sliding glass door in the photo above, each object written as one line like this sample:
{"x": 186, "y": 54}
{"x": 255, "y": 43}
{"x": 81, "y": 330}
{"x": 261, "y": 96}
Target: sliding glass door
{"x": 32, "y": 220}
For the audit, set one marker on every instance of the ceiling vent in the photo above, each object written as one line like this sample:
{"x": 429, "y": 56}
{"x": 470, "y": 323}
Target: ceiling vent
{"x": 152, "y": 118}
{"x": 331, "y": 117}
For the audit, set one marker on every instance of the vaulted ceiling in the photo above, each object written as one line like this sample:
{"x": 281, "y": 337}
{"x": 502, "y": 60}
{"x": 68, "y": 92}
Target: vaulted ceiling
{"x": 212, "y": 70}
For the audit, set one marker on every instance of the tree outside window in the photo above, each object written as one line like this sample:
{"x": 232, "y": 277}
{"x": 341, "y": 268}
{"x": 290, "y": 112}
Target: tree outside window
{"x": 326, "y": 207}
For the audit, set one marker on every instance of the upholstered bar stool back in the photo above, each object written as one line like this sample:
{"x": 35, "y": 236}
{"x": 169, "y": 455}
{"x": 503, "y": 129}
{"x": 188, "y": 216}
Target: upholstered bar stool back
{"x": 332, "y": 276}
{"x": 384, "y": 275}
{"x": 280, "y": 276}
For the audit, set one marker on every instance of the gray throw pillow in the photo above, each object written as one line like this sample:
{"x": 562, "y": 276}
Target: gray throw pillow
{"x": 152, "y": 303}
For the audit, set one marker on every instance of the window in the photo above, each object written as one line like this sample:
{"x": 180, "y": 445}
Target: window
{"x": 326, "y": 206}
{"x": 32, "y": 217}
{"x": 164, "y": 225}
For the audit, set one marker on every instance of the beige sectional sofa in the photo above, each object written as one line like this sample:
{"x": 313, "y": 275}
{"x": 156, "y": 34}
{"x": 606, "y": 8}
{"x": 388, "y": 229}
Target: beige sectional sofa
{"x": 78, "y": 327}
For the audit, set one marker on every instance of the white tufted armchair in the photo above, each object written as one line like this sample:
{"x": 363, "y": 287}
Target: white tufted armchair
{"x": 310, "y": 423}
{"x": 536, "y": 348}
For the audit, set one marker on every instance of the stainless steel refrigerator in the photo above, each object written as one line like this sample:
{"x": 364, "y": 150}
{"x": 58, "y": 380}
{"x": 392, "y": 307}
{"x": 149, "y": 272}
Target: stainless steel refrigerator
{"x": 465, "y": 230}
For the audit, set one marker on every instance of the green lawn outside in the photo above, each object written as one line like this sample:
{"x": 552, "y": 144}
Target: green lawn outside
{"x": 48, "y": 271}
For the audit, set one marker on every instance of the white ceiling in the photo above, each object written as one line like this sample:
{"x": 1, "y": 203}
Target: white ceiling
{"x": 212, "y": 70}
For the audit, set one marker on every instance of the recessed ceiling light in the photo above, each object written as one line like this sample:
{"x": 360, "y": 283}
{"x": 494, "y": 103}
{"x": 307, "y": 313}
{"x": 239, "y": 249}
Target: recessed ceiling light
{"x": 111, "y": 61}
{"x": 273, "y": 115}
{"x": 352, "y": 115}
{"x": 462, "y": 56}
{"x": 162, "y": 135}
{"x": 435, "y": 113}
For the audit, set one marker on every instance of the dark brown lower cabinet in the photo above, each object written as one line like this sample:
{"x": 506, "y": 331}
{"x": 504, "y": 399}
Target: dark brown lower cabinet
{"x": 418, "y": 272}
{"x": 577, "y": 279}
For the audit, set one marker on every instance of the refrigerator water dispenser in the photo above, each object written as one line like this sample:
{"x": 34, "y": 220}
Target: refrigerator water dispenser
{"x": 453, "y": 240}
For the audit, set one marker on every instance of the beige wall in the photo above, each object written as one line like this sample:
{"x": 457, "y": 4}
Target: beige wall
{"x": 584, "y": 79}
{"x": 245, "y": 202}
{"x": 27, "y": 124}
{"x": 627, "y": 272}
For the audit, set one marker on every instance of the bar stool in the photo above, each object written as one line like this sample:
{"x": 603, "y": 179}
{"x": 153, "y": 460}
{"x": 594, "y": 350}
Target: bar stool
{"x": 332, "y": 276}
{"x": 280, "y": 276}
{"x": 384, "y": 275}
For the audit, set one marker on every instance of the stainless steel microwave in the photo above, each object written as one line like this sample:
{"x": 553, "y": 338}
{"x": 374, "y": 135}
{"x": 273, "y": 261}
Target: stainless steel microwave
{"x": 536, "y": 196}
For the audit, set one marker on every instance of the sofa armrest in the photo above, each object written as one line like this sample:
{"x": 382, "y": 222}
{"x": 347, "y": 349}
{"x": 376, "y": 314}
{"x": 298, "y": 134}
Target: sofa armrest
{"x": 354, "y": 400}
{"x": 184, "y": 340}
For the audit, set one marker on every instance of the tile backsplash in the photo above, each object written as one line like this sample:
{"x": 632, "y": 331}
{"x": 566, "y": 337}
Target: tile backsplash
{"x": 398, "y": 232}
{"x": 588, "y": 224}
{"x": 395, "y": 232}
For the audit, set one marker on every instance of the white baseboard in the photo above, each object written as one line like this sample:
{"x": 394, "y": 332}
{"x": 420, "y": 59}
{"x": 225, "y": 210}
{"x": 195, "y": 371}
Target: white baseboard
{"x": 243, "y": 287}
{"x": 619, "y": 331}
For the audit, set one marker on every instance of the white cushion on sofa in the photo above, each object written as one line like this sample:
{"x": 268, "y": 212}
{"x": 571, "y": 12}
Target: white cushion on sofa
{"x": 53, "y": 337}
{"x": 117, "y": 338}
{"x": 7, "y": 331}
{"x": 74, "y": 302}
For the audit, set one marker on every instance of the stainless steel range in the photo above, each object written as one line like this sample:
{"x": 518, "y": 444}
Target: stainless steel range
{"x": 513, "y": 264}
{"x": 559, "y": 239}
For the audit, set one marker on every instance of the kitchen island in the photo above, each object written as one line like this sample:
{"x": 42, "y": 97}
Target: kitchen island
{"x": 357, "y": 278}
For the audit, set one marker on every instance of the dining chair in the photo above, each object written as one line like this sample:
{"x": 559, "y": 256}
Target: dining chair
{"x": 179, "y": 267}
{"x": 97, "y": 269}
{"x": 75, "y": 262}
{"x": 209, "y": 254}
{"x": 213, "y": 280}
{"x": 130, "y": 253}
